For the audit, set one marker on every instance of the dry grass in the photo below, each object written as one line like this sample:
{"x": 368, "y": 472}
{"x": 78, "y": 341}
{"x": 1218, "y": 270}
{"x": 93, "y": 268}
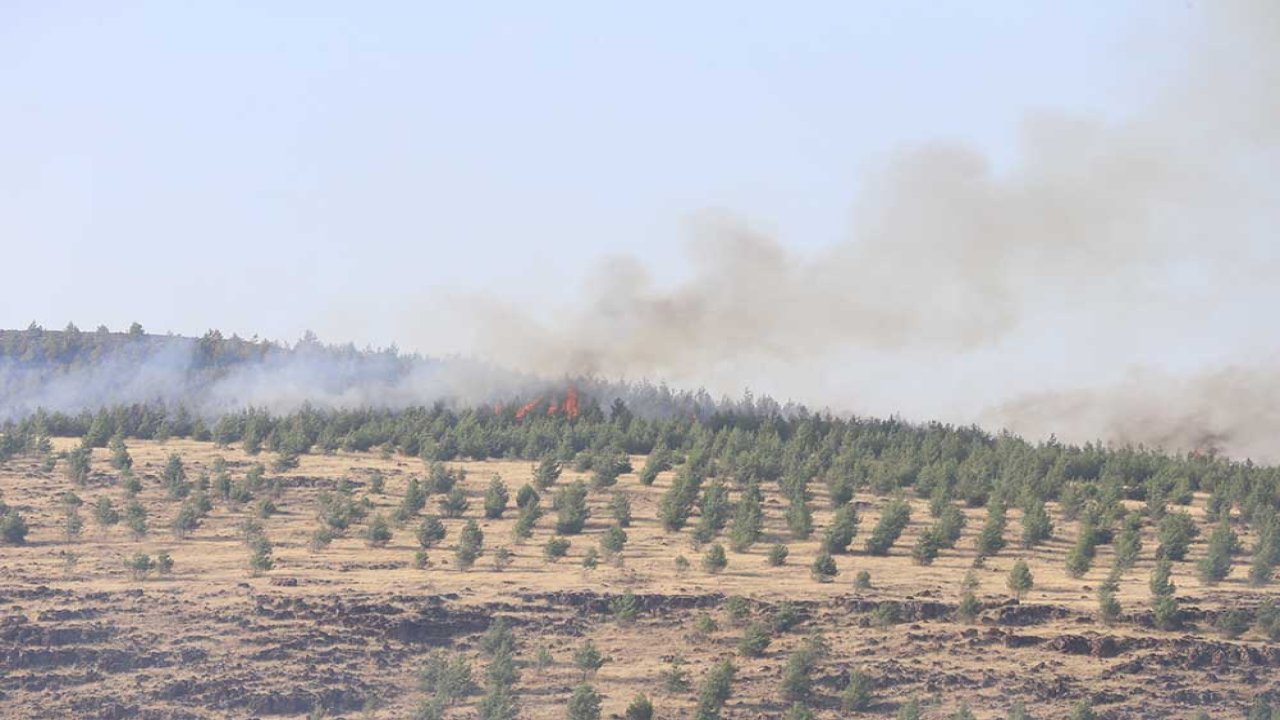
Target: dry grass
{"x": 209, "y": 603}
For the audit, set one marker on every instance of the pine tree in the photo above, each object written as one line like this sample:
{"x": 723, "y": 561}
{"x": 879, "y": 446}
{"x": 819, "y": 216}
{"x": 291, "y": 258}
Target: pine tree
{"x": 470, "y": 545}
{"x": 378, "y": 533}
{"x": 496, "y": 498}
{"x": 893, "y": 520}
{"x": 991, "y": 539}
{"x": 430, "y": 532}
{"x": 715, "y": 691}
{"x": 843, "y": 528}
{"x": 857, "y": 695}
{"x": 570, "y": 504}
{"x": 748, "y": 520}
{"x": 1216, "y": 564}
{"x": 799, "y": 518}
{"x": 1037, "y": 527}
{"x": 588, "y": 659}
{"x": 1020, "y": 579}
{"x": 584, "y": 704}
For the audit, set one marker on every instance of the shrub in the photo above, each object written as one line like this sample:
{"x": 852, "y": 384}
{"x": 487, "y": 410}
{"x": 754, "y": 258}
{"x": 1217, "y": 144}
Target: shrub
{"x": 1108, "y": 605}
{"x": 502, "y": 558}
{"x": 1232, "y": 623}
{"x": 499, "y": 703}
{"x": 454, "y": 504}
{"x": 824, "y": 568}
{"x": 797, "y": 683}
{"x": 590, "y": 559}
{"x": 786, "y": 617}
{"x": 715, "y": 690}
{"x": 1082, "y": 711}
{"x": 584, "y": 704}
{"x": 1165, "y": 613}
{"x": 625, "y": 608}
{"x": 447, "y": 676}
{"x": 588, "y": 659}
{"x": 715, "y": 560}
{"x": 675, "y": 679}
{"x": 857, "y": 693}
{"x": 777, "y": 556}
{"x": 105, "y": 513}
{"x": 613, "y": 540}
{"x": 1020, "y": 579}
{"x": 969, "y": 607}
{"x": 885, "y": 615}
{"x": 1267, "y": 619}
{"x": 260, "y": 559}
{"x": 927, "y": 547}
{"x": 72, "y": 524}
{"x": 431, "y": 532}
{"x": 862, "y": 581}
{"x": 555, "y": 548}
{"x": 139, "y": 566}
{"x": 135, "y": 517}
{"x": 737, "y": 609}
{"x": 704, "y": 625}
{"x": 755, "y": 640}
{"x": 639, "y": 709}
{"x": 378, "y": 533}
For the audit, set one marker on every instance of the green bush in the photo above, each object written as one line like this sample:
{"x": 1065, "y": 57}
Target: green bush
{"x": 755, "y": 640}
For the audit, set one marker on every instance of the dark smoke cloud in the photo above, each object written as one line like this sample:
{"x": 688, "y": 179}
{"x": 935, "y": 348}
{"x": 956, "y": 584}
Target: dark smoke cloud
{"x": 1138, "y": 224}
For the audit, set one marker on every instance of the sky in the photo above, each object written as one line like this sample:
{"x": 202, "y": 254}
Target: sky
{"x": 373, "y": 171}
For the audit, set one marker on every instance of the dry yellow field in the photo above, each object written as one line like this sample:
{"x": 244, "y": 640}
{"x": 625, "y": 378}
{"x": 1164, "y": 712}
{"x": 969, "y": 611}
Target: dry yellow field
{"x": 344, "y": 630}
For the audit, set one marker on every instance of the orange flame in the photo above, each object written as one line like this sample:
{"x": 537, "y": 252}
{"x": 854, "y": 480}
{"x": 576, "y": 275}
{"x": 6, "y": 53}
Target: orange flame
{"x": 526, "y": 409}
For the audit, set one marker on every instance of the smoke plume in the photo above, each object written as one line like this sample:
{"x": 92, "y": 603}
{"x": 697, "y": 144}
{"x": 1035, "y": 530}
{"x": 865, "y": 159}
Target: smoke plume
{"x": 1155, "y": 227}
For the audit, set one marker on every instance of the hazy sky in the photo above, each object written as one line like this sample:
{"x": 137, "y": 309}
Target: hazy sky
{"x": 272, "y": 167}
{"x": 366, "y": 169}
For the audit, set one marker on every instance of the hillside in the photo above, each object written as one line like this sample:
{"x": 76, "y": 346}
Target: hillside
{"x": 351, "y": 598}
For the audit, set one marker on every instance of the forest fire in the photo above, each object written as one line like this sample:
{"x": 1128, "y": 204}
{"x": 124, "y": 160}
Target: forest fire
{"x": 568, "y": 405}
